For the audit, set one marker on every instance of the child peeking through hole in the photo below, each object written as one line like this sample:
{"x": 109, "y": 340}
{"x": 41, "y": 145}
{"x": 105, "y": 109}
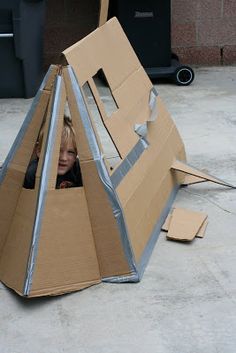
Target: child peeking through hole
{"x": 68, "y": 170}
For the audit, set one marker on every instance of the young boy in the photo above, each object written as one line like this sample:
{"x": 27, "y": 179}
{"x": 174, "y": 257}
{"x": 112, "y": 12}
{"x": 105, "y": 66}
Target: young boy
{"x": 68, "y": 170}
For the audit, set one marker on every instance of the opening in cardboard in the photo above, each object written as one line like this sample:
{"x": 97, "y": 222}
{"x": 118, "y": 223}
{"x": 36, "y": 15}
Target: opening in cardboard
{"x": 68, "y": 168}
{"x": 108, "y": 146}
{"x": 105, "y": 93}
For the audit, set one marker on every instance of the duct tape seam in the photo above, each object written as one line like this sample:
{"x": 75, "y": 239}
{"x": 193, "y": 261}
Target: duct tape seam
{"x": 43, "y": 186}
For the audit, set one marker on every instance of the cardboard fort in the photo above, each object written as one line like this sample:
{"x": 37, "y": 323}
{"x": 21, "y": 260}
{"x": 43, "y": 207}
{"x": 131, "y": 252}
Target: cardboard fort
{"x": 54, "y": 241}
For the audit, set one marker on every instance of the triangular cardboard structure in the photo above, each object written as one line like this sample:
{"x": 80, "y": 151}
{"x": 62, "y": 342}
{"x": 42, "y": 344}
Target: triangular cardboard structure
{"x": 55, "y": 241}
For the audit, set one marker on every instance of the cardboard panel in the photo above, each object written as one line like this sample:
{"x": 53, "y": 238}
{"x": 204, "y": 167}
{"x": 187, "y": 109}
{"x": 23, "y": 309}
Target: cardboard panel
{"x": 103, "y": 48}
{"x": 66, "y": 258}
{"x": 16, "y": 250}
{"x": 145, "y": 225}
{"x": 149, "y": 181}
{"x": 149, "y": 199}
{"x": 24, "y": 152}
{"x": 110, "y": 252}
{"x": 164, "y": 140}
{"x": 12, "y": 183}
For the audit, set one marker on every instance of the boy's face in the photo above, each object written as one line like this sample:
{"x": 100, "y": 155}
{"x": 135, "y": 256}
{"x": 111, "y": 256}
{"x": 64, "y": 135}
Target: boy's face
{"x": 67, "y": 157}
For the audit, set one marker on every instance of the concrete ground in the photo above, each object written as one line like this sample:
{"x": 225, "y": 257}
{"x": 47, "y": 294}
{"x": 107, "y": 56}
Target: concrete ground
{"x": 186, "y": 301}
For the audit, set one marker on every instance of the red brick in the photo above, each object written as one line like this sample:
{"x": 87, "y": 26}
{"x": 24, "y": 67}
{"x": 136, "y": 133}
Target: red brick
{"x": 183, "y": 34}
{"x": 216, "y": 32}
{"x": 183, "y": 10}
{"x": 209, "y": 9}
{"x": 229, "y": 54}
{"x": 199, "y": 55}
{"x": 229, "y": 8}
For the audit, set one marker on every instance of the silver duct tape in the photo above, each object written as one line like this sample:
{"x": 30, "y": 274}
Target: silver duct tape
{"x": 128, "y": 162}
{"x": 139, "y": 148}
{"x": 142, "y": 129}
{"x": 122, "y": 279}
{"x": 102, "y": 171}
{"x": 153, "y": 104}
{"x": 155, "y": 234}
{"x": 43, "y": 186}
{"x": 23, "y": 129}
{"x": 149, "y": 247}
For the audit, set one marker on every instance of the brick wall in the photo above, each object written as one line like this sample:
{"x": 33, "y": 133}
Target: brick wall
{"x": 67, "y": 21}
{"x": 203, "y": 31}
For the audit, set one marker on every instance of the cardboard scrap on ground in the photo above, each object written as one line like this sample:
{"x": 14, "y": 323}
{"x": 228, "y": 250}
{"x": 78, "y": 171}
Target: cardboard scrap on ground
{"x": 184, "y": 225}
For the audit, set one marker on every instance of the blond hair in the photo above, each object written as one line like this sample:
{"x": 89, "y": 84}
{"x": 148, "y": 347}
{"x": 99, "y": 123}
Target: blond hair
{"x": 68, "y": 133}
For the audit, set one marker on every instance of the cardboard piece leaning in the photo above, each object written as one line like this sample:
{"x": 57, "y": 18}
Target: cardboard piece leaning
{"x": 55, "y": 241}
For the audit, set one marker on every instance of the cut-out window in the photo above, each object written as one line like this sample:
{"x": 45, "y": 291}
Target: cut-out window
{"x": 108, "y": 146}
{"x": 68, "y": 170}
{"x": 105, "y": 93}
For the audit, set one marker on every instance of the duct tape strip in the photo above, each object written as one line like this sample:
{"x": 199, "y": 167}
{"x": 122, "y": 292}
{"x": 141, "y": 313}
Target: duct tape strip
{"x": 23, "y": 129}
{"x": 122, "y": 279}
{"x": 149, "y": 247}
{"x": 43, "y": 186}
{"x": 155, "y": 234}
{"x": 128, "y": 162}
{"x": 142, "y": 129}
{"x": 139, "y": 148}
{"x": 102, "y": 171}
{"x": 153, "y": 104}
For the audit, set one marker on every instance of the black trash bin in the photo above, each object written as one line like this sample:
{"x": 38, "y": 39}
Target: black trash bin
{"x": 21, "y": 47}
{"x": 147, "y": 24}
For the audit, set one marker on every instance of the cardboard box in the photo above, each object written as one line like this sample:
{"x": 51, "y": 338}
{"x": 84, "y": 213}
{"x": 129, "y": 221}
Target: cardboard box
{"x": 56, "y": 241}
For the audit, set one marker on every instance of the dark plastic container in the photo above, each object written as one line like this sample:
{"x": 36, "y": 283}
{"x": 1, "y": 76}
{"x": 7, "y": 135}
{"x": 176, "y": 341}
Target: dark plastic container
{"x": 147, "y": 24}
{"x": 21, "y": 47}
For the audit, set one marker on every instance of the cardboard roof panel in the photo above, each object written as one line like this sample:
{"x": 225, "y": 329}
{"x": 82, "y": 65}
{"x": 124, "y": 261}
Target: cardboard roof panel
{"x": 103, "y": 48}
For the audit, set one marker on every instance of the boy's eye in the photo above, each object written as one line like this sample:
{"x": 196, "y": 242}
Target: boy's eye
{"x": 71, "y": 152}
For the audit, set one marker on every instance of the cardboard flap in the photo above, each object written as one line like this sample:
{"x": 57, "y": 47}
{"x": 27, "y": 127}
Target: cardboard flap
{"x": 185, "y": 224}
{"x": 182, "y": 167}
{"x": 191, "y": 179}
